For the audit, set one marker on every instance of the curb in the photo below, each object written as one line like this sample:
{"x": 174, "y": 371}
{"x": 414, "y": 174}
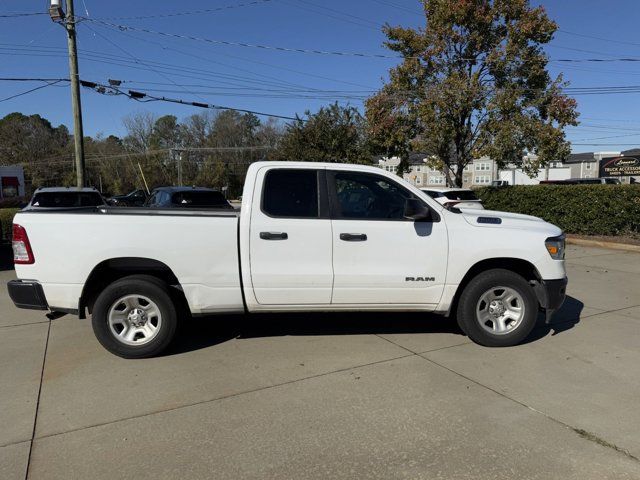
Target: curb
{"x": 603, "y": 244}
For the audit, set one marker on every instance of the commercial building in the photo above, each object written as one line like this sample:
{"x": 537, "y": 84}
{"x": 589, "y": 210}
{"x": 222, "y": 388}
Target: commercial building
{"x": 482, "y": 171}
{"x": 11, "y": 181}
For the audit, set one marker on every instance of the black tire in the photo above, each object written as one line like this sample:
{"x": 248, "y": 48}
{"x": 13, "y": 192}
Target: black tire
{"x": 468, "y": 318}
{"x": 147, "y": 286}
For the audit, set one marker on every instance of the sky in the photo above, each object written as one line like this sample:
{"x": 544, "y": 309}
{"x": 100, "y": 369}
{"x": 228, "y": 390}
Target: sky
{"x": 283, "y": 82}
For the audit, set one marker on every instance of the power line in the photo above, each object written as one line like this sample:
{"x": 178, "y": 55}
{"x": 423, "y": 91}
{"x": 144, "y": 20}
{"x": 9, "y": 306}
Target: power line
{"x": 90, "y": 56}
{"x": 30, "y": 90}
{"x": 611, "y": 136}
{"x": 399, "y": 7}
{"x": 19, "y": 79}
{"x": 125, "y": 62}
{"x": 137, "y": 60}
{"x": 595, "y": 60}
{"x": 191, "y": 12}
{"x": 584, "y": 35}
{"x": 135, "y": 95}
{"x": 146, "y": 97}
{"x": 25, "y": 14}
{"x": 363, "y": 23}
{"x": 243, "y": 44}
{"x": 272, "y": 79}
{"x": 611, "y": 120}
{"x": 236, "y": 57}
{"x": 608, "y": 144}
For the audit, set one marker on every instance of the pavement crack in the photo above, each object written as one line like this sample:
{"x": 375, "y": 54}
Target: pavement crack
{"x": 396, "y": 344}
{"x": 609, "y": 311}
{"x": 592, "y": 437}
{"x": 583, "y": 433}
{"x": 427, "y": 351}
{"x": 35, "y": 417}
{"x": 24, "y": 324}
{"x": 224, "y": 397}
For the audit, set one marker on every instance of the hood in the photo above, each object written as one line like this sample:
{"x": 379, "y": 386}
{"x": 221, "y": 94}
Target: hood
{"x": 496, "y": 219}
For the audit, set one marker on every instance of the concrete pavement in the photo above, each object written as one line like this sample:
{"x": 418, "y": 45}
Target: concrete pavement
{"x": 334, "y": 396}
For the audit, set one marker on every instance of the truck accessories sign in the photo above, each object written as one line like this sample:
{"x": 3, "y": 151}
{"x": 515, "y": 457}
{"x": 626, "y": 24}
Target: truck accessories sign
{"x": 619, "y": 166}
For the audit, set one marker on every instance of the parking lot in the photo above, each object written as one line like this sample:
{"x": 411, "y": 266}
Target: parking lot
{"x": 333, "y": 396}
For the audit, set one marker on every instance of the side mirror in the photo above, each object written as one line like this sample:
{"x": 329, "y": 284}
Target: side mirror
{"x": 415, "y": 210}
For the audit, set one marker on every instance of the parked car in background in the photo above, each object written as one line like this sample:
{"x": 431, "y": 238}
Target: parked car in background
{"x": 582, "y": 181}
{"x": 500, "y": 183}
{"x": 596, "y": 181}
{"x": 455, "y": 197}
{"x": 558, "y": 182}
{"x": 137, "y": 198}
{"x": 65, "y": 197}
{"x": 187, "y": 197}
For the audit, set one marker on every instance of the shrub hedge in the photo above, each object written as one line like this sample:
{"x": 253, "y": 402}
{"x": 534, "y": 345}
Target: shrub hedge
{"x": 6, "y": 219}
{"x": 580, "y": 209}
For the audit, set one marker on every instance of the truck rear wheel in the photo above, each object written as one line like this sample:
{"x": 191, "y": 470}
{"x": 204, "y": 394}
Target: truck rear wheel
{"x": 134, "y": 317}
{"x": 498, "y": 308}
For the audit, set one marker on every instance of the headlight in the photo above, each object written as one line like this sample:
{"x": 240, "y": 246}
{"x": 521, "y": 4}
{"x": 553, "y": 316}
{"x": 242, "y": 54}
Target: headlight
{"x": 555, "y": 247}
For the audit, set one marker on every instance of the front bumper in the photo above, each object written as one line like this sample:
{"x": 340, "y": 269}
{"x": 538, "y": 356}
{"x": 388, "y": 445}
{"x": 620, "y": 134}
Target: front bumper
{"x": 27, "y": 294}
{"x": 551, "y": 294}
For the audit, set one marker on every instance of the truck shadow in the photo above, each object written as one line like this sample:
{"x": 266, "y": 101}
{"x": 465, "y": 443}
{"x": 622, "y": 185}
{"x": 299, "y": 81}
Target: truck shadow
{"x": 564, "y": 319}
{"x": 204, "y": 332}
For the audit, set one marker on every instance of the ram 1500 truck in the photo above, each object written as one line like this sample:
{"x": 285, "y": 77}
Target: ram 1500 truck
{"x": 308, "y": 237}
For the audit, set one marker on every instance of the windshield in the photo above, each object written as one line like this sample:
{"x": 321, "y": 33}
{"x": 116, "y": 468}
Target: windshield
{"x": 460, "y": 195}
{"x": 67, "y": 199}
{"x": 199, "y": 199}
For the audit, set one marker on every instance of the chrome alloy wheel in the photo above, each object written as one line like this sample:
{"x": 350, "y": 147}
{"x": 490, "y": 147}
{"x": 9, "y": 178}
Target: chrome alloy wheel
{"x": 134, "y": 320}
{"x": 500, "y": 310}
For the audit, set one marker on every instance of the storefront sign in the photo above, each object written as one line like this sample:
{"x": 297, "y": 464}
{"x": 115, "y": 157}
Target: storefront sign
{"x": 619, "y": 166}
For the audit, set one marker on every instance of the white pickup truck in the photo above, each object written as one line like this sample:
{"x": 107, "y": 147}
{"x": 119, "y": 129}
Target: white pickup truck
{"x": 309, "y": 237}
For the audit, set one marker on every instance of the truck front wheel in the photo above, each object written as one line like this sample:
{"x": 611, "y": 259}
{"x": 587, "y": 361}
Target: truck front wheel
{"x": 498, "y": 308}
{"x": 134, "y": 317}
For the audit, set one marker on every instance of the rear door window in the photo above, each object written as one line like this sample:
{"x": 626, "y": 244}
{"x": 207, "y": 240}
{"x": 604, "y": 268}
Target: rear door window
{"x": 291, "y": 193}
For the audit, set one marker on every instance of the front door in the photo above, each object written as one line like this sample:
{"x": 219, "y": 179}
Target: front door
{"x": 379, "y": 257}
{"x": 290, "y": 238}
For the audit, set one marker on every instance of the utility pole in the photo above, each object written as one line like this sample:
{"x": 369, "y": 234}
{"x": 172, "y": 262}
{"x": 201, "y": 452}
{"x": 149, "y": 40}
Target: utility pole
{"x": 68, "y": 20}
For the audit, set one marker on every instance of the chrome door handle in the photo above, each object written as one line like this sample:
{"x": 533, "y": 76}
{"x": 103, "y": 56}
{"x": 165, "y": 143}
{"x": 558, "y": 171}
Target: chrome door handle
{"x": 273, "y": 235}
{"x": 353, "y": 237}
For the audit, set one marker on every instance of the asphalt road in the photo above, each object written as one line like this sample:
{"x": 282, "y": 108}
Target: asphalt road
{"x": 355, "y": 396}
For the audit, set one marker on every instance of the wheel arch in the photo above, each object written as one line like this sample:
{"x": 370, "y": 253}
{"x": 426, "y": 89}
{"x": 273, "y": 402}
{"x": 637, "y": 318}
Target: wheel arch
{"x": 522, "y": 267}
{"x": 110, "y": 270}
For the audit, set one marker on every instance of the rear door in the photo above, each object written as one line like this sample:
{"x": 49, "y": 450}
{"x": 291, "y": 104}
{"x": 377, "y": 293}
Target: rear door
{"x": 290, "y": 238}
{"x": 379, "y": 257}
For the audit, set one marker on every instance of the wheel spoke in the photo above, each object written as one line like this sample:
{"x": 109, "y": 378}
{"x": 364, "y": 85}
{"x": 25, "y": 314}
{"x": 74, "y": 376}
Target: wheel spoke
{"x": 499, "y": 324}
{"x": 148, "y": 330}
{"x": 500, "y": 310}
{"x": 151, "y": 311}
{"x": 509, "y": 298}
{"x": 131, "y": 333}
{"x": 134, "y": 319}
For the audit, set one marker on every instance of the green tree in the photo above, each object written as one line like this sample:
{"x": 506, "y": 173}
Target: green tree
{"x": 474, "y": 82}
{"x": 333, "y": 134}
{"x": 33, "y": 142}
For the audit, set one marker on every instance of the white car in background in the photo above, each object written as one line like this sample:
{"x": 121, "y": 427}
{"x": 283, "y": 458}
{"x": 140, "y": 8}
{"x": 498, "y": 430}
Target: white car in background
{"x": 454, "y": 197}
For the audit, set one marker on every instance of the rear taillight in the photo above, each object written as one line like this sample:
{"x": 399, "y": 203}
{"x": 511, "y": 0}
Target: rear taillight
{"x": 22, "y": 253}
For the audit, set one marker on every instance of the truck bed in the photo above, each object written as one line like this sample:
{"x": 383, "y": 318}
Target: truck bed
{"x": 69, "y": 245}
